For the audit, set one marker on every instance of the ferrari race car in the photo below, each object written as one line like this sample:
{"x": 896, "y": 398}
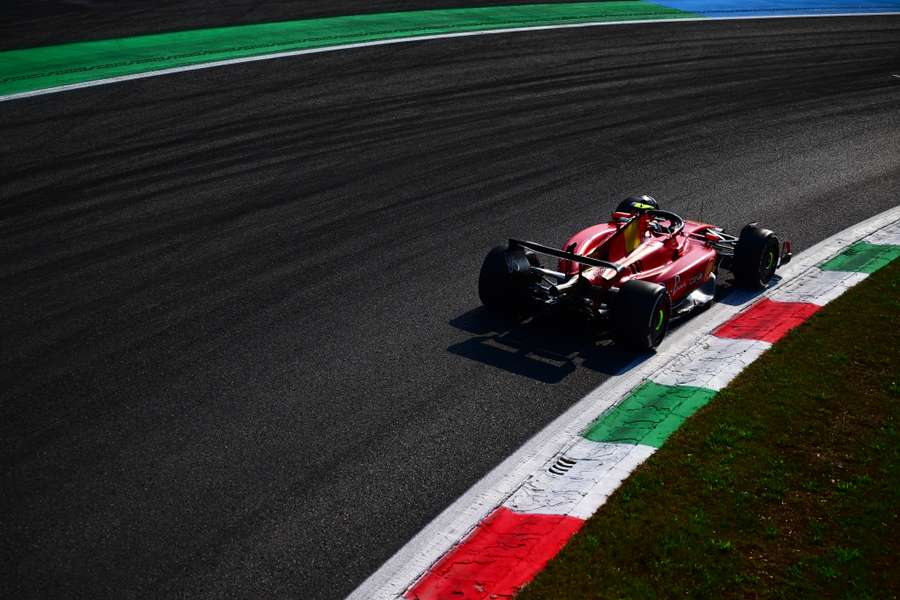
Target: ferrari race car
{"x": 637, "y": 272}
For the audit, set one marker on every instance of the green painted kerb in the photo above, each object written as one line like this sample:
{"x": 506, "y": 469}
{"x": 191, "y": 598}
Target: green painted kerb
{"x": 862, "y": 257}
{"x": 53, "y": 66}
{"x": 649, "y": 414}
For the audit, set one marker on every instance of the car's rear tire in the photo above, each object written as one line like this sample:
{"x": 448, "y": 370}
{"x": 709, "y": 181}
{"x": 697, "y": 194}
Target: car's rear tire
{"x": 756, "y": 257}
{"x": 503, "y": 281}
{"x": 640, "y": 315}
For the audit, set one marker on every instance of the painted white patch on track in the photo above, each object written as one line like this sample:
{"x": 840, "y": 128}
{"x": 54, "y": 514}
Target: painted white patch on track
{"x": 817, "y": 286}
{"x": 888, "y": 235}
{"x": 578, "y": 480}
{"x": 611, "y": 480}
{"x": 712, "y": 363}
{"x": 404, "y": 40}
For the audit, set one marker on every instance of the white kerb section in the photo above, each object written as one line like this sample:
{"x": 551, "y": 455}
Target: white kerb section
{"x": 888, "y": 235}
{"x": 579, "y": 480}
{"x": 817, "y": 286}
{"x": 711, "y": 364}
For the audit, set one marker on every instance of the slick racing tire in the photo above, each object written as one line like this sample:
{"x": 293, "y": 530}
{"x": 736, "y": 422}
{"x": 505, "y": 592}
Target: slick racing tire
{"x": 756, "y": 257}
{"x": 503, "y": 281}
{"x": 640, "y": 315}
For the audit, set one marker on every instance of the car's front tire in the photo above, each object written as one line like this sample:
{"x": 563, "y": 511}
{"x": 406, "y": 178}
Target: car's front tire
{"x": 756, "y": 257}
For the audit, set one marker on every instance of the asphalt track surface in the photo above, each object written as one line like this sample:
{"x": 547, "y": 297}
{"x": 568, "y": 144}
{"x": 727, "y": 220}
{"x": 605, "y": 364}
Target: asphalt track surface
{"x": 242, "y": 353}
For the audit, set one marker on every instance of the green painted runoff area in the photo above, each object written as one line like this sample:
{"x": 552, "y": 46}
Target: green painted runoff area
{"x": 649, "y": 414}
{"x": 862, "y": 257}
{"x": 53, "y": 66}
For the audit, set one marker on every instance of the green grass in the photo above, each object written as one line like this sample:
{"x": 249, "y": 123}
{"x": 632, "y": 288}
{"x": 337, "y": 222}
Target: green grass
{"x": 786, "y": 485}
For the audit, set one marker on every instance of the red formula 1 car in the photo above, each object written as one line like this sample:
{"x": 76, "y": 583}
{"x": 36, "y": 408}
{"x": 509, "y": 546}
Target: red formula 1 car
{"x": 638, "y": 271}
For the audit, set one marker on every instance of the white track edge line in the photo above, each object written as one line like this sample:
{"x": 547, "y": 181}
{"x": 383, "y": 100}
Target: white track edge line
{"x": 436, "y": 538}
{"x": 403, "y": 40}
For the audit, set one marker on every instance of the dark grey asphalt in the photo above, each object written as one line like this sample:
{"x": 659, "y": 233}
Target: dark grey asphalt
{"x": 242, "y": 353}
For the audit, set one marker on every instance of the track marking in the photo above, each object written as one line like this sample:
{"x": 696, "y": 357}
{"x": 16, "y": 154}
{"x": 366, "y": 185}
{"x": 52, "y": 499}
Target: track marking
{"x": 405, "y": 40}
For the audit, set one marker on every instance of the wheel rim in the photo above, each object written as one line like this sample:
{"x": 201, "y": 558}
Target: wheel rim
{"x": 768, "y": 262}
{"x": 659, "y": 319}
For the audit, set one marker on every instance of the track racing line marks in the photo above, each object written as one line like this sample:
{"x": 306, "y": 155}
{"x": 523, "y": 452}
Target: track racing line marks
{"x": 44, "y": 70}
{"x": 502, "y": 532}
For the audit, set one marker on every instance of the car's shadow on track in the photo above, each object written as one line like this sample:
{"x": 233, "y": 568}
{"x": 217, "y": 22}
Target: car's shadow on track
{"x": 547, "y": 347}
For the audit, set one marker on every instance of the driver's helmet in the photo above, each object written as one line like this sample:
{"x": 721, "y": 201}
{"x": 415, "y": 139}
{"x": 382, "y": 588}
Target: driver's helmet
{"x": 637, "y": 204}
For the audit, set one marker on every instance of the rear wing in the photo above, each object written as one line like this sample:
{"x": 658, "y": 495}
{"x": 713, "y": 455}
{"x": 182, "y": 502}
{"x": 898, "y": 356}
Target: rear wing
{"x": 576, "y": 258}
